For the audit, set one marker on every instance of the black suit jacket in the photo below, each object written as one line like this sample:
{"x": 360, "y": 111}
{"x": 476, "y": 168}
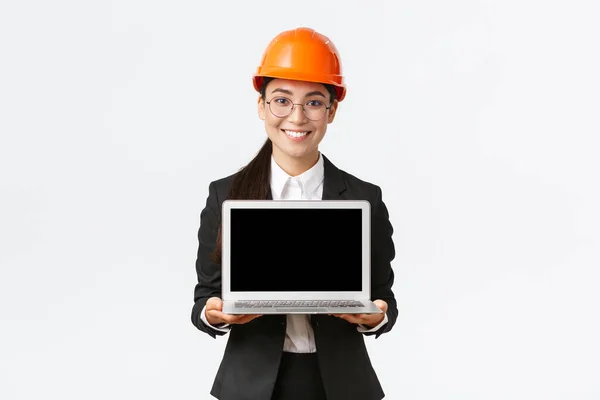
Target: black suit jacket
{"x": 250, "y": 364}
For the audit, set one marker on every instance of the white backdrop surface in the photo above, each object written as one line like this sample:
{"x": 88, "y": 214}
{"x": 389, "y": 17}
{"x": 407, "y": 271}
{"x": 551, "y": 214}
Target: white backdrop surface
{"x": 479, "y": 120}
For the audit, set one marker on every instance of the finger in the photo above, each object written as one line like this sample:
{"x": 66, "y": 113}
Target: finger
{"x": 214, "y": 315}
{"x": 344, "y": 316}
{"x": 359, "y": 318}
{"x": 233, "y": 318}
{"x": 347, "y": 317}
{"x": 214, "y": 303}
{"x": 354, "y": 318}
{"x": 239, "y": 318}
{"x": 224, "y": 318}
{"x": 373, "y": 320}
{"x": 382, "y": 305}
{"x": 247, "y": 318}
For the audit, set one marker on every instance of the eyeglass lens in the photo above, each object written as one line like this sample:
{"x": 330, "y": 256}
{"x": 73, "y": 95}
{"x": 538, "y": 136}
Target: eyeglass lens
{"x": 282, "y": 107}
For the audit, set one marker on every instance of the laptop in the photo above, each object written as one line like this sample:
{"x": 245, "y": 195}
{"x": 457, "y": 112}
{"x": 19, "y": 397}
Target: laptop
{"x": 296, "y": 257}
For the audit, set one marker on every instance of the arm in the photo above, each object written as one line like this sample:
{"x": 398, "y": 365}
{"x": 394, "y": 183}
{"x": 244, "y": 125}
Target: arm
{"x": 382, "y": 276}
{"x": 208, "y": 272}
{"x": 382, "y": 254}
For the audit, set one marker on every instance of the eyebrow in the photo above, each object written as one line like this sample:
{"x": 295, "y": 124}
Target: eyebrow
{"x": 313, "y": 93}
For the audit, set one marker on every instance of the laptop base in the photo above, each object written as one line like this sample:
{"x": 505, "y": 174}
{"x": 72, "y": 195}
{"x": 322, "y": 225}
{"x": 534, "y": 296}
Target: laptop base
{"x": 229, "y": 307}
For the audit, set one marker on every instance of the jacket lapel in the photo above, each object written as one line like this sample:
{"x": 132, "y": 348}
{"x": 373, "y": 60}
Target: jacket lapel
{"x": 333, "y": 182}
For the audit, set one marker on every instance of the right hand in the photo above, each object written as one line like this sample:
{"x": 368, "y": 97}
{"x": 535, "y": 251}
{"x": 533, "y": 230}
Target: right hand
{"x": 214, "y": 314}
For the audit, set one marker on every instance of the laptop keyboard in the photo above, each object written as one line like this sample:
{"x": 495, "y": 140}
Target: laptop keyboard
{"x": 300, "y": 303}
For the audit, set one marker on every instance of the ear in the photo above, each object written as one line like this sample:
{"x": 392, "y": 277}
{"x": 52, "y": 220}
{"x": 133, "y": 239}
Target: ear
{"x": 261, "y": 108}
{"x": 331, "y": 112}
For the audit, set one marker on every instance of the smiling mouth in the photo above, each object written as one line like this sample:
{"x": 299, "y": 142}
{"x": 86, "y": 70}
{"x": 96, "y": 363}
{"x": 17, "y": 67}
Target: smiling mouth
{"x": 296, "y": 134}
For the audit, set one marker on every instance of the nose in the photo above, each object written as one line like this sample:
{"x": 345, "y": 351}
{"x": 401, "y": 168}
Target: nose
{"x": 297, "y": 114}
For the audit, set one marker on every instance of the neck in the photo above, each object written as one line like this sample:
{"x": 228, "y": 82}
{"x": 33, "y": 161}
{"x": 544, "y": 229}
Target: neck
{"x": 296, "y": 166}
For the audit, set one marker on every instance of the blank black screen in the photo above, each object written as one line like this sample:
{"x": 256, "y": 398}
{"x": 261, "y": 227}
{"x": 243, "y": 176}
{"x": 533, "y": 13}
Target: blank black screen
{"x": 296, "y": 250}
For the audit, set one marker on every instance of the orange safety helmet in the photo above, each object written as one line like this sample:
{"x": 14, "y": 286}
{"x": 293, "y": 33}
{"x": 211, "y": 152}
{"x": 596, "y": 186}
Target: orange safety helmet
{"x": 302, "y": 54}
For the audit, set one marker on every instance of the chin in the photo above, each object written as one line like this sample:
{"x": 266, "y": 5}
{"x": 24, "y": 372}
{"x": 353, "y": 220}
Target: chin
{"x": 295, "y": 154}
{"x": 291, "y": 152}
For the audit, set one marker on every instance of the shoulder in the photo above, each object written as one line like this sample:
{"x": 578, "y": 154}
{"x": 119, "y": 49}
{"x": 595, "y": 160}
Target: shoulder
{"x": 356, "y": 184}
{"x": 353, "y": 185}
{"x": 220, "y": 187}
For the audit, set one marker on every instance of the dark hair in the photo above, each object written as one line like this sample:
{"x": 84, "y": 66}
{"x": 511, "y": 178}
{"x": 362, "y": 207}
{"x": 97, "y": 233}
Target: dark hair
{"x": 252, "y": 182}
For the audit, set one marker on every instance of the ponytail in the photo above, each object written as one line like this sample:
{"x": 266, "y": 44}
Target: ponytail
{"x": 250, "y": 183}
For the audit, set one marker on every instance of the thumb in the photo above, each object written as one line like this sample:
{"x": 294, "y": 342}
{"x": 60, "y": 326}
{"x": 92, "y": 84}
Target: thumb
{"x": 214, "y": 303}
{"x": 382, "y": 305}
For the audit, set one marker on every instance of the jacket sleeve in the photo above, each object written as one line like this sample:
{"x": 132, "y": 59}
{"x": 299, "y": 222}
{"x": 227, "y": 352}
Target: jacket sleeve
{"x": 382, "y": 254}
{"x": 208, "y": 272}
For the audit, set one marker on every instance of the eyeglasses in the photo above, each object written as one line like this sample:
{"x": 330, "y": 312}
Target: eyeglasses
{"x": 281, "y": 107}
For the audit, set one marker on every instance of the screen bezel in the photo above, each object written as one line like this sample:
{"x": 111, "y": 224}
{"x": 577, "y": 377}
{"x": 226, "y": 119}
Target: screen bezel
{"x": 228, "y": 205}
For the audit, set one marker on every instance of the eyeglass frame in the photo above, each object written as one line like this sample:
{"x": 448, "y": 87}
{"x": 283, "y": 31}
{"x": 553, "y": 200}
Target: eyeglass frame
{"x": 292, "y": 109}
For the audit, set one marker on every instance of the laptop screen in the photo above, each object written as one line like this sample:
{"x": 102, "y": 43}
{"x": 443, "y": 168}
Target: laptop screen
{"x": 295, "y": 250}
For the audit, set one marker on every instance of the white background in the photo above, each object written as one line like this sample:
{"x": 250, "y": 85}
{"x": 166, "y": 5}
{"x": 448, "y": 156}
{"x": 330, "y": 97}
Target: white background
{"x": 479, "y": 120}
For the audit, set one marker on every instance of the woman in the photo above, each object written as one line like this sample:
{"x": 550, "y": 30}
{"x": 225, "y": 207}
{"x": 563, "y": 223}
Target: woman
{"x": 279, "y": 357}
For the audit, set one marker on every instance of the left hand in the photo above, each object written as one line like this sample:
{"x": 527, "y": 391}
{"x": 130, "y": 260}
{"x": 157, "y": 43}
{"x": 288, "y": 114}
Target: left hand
{"x": 369, "y": 320}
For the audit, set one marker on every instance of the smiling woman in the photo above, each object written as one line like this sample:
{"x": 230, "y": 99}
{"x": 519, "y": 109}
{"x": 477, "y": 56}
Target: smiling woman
{"x": 288, "y": 357}
{"x": 294, "y": 135}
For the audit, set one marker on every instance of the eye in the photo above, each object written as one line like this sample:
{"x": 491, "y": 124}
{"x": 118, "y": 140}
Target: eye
{"x": 315, "y": 104}
{"x": 281, "y": 101}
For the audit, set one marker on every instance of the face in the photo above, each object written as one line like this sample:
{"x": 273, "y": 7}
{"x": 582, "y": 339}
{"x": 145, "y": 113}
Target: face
{"x": 295, "y": 137}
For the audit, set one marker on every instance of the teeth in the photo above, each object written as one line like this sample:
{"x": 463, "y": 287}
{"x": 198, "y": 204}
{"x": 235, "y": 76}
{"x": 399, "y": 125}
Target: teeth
{"x": 295, "y": 134}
